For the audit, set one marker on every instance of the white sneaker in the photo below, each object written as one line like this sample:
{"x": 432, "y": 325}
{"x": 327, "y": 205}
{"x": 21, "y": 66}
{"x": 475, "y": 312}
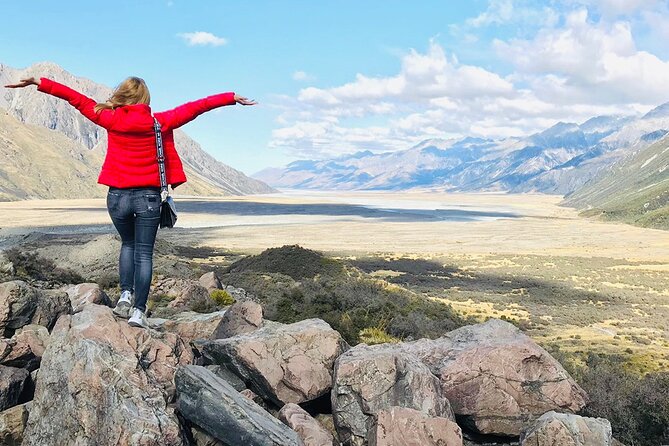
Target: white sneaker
{"x": 123, "y": 305}
{"x": 138, "y": 319}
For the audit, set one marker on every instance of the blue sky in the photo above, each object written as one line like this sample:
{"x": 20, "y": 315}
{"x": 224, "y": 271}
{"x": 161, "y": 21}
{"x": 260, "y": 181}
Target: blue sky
{"x": 335, "y": 77}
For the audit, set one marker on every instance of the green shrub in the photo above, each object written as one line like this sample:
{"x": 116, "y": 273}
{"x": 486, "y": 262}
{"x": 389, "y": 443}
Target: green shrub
{"x": 373, "y": 335}
{"x": 222, "y": 298}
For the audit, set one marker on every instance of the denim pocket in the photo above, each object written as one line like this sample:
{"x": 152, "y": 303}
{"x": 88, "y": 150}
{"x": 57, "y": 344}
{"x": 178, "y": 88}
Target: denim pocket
{"x": 113, "y": 203}
{"x": 148, "y": 204}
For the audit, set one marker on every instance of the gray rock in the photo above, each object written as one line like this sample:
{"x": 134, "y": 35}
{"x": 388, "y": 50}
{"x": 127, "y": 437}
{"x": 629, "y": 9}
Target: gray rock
{"x": 202, "y": 438}
{"x": 211, "y": 403}
{"x": 102, "y": 382}
{"x": 369, "y": 379}
{"x": 240, "y": 318}
{"x": 6, "y": 267}
{"x": 190, "y": 325}
{"x": 12, "y": 424}
{"x": 21, "y": 304}
{"x": 282, "y": 363}
{"x": 12, "y": 381}
{"x": 309, "y": 430}
{"x": 562, "y": 429}
{"x": 497, "y": 378}
{"x": 232, "y": 379}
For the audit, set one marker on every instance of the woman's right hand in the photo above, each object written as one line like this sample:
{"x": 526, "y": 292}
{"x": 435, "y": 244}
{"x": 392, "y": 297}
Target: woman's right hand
{"x": 244, "y": 101}
{"x": 24, "y": 83}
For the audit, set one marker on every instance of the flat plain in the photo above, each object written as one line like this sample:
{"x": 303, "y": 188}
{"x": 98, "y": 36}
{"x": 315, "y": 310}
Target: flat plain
{"x": 577, "y": 283}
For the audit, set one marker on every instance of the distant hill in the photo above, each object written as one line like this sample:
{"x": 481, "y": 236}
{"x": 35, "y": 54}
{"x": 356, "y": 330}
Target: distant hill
{"x": 558, "y": 160}
{"x": 32, "y": 109}
{"x": 635, "y": 190}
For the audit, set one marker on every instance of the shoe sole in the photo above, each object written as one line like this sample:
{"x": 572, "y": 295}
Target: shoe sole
{"x": 122, "y": 310}
{"x": 137, "y": 324}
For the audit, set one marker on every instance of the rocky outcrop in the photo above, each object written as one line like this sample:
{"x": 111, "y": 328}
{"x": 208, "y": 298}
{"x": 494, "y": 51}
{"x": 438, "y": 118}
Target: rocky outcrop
{"x": 12, "y": 424}
{"x": 86, "y": 293}
{"x": 497, "y": 378}
{"x": 561, "y": 429}
{"x": 190, "y": 325}
{"x": 104, "y": 382}
{"x": 21, "y": 304}
{"x": 369, "y": 379}
{"x": 309, "y": 430}
{"x": 210, "y": 402}
{"x": 282, "y": 363}
{"x": 402, "y": 426}
{"x": 12, "y": 381}
{"x": 192, "y": 292}
{"x": 210, "y": 281}
{"x": 240, "y": 318}
{"x": 25, "y": 348}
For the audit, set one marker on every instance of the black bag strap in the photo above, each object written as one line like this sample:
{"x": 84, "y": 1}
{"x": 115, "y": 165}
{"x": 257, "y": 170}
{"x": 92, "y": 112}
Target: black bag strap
{"x": 164, "y": 192}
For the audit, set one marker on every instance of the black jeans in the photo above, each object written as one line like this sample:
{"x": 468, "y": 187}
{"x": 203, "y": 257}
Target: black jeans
{"x": 136, "y": 216}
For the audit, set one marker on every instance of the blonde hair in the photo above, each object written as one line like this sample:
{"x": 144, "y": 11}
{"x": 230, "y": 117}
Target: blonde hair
{"x": 133, "y": 90}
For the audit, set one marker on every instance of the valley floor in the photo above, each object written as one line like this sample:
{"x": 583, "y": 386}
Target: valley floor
{"x": 581, "y": 284}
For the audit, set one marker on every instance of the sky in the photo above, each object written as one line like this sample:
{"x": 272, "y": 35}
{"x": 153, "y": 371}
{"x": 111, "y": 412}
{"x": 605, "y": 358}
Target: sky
{"x": 336, "y": 77}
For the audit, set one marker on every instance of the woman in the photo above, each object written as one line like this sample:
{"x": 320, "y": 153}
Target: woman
{"x": 130, "y": 170}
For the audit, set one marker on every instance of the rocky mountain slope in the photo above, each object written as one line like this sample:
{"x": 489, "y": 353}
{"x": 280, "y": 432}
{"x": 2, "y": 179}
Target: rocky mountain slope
{"x": 206, "y": 175}
{"x": 635, "y": 190}
{"x": 558, "y": 160}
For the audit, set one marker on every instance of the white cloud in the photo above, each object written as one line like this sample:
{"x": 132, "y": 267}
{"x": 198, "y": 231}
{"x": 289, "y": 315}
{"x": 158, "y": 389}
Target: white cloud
{"x": 202, "y": 38}
{"x": 571, "y": 69}
{"x": 302, "y": 76}
{"x": 503, "y": 12}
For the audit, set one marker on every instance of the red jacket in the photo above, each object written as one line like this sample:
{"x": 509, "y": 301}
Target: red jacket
{"x": 131, "y": 159}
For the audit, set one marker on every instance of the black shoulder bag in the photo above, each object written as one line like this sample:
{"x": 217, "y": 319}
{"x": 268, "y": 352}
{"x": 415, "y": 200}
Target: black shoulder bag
{"x": 168, "y": 211}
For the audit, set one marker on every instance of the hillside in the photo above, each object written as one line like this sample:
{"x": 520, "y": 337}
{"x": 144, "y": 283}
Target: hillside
{"x": 206, "y": 175}
{"x": 636, "y": 190}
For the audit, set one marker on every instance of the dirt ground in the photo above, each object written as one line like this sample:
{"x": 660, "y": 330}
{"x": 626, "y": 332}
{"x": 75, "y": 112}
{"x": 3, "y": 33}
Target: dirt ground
{"x": 415, "y": 224}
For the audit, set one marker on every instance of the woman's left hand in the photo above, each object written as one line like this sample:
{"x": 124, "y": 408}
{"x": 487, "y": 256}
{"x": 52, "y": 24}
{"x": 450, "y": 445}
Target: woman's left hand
{"x": 24, "y": 83}
{"x": 244, "y": 101}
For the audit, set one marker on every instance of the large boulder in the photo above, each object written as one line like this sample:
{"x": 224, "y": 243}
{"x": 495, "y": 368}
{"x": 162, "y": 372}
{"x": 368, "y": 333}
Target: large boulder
{"x": 86, "y": 293}
{"x": 12, "y": 381}
{"x": 282, "y": 363}
{"x": 240, "y": 318}
{"x": 369, "y": 379}
{"x": 26, "y": 347}
{"x": 104, "y": 382}
{"x": 309, "y": 430}
{"x": 562, "y": 429}
{"x": 402, "y": 426}
{"x": 210, "y": 402}
{"x": 21, "y": 304}
{"x": 12, "y": 424}
{"x": 497, "y": 378}
{"x": 190, "y": 325}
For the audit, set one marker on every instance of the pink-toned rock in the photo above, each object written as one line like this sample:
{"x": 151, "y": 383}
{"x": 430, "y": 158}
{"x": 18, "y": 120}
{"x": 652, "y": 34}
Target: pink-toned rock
{"x": 409, "y": 427}
{"x": 21, "y": 304}
{"x": 282, "y": 363}
{"x": 102, "y": 381}
{"x": 202, "y": 438}
{"x": 192, "y": 292}
{"x": 561, "y": 429}
{"x": 369, "y": 379}
{"x": 240, "y": 318}
{"x": 210, "y": 281}
{"x": 86, "y": 293}
{"x": 190, "y": 325}
{"x": 308, "y": 429}
{"x": 497, "y": 378}
{"x": 27, "y": 347}
{"x": 12, "y": 424}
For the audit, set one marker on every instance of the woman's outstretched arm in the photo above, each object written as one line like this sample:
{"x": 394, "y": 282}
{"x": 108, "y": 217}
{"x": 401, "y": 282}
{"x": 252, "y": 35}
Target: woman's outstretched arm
{"x": 175, "y": 118}
{"x": 81, "y": 102}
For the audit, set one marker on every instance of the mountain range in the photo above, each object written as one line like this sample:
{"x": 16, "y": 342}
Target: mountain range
{"x": 558, "y": 160}
{"x": 62, "y": 151}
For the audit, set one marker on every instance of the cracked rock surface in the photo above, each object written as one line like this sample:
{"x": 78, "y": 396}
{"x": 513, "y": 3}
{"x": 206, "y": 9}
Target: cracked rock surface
{"x": 562, "y": 429}
{"x": 104, "y": 382}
